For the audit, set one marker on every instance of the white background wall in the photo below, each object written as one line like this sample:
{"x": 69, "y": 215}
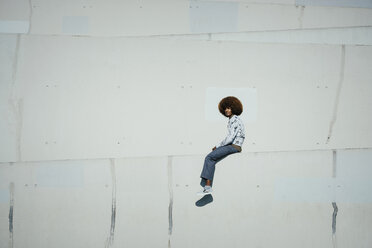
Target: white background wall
{"x": 105, "y": 121}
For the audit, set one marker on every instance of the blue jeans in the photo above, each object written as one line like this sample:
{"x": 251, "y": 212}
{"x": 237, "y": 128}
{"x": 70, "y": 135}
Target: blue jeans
{"x": 212, "y": 158}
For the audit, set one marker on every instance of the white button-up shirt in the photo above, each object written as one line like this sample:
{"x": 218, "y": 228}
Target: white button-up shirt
{"x": 236, "y": 132}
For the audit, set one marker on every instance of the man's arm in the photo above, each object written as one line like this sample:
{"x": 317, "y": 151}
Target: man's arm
{"x": 233, "y": 131}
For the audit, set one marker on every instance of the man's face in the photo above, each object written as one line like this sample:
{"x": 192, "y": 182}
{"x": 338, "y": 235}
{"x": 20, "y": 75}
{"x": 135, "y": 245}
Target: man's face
{"x": 228, "y": 112}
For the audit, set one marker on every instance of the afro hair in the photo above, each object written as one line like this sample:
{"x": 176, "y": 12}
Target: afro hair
{"x": 230, "y": 102}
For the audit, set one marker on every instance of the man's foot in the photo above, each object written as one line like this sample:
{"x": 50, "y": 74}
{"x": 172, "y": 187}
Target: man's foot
{"x": 206, "y": 191}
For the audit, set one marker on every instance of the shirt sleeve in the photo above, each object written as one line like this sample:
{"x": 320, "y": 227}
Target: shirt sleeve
{"x": 232, "y": 132}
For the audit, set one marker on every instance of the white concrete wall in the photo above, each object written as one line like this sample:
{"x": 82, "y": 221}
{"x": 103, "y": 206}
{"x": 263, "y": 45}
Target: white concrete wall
{"x": 105, "y": 121}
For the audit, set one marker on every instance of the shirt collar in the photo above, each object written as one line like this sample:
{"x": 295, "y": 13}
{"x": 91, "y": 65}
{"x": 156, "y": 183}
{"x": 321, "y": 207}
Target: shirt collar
{"x": 233, "y": 118}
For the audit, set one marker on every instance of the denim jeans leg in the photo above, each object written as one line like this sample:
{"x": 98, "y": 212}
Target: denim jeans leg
{"x": 214, "y": 157}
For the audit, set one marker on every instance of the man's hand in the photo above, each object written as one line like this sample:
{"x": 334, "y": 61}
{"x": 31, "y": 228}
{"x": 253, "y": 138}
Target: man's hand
{"x": 214, "y": 148}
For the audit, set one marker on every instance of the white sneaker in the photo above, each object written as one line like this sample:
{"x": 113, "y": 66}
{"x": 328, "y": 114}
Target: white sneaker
{"x": 205, "y": 191}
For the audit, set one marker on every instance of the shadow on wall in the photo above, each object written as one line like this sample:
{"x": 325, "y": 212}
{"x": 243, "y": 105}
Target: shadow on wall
{"x": 204, "y": 201}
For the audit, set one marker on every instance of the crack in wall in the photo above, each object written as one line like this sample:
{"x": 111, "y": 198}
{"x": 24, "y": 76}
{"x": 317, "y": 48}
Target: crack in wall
{"x": 301, "y": 17}
{"x": 110, "y": 240}
{"x": 15, "y": 62}
{"x": 30, "y": 17}
{"x": 16, "y": 103}
{"x": 334, "y": 163}
{"x": 11, "y": 215}
{"x": 18, "y": 108}
{"x": 170, "y": 207}
{"x": 334, "y": 204}
{"x": 337, "y": 100}
{"x": 334, "y": 215}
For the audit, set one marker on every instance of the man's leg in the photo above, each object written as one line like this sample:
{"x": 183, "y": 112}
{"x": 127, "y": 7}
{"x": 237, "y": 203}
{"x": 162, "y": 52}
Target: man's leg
{"x": 211, "y": 160}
